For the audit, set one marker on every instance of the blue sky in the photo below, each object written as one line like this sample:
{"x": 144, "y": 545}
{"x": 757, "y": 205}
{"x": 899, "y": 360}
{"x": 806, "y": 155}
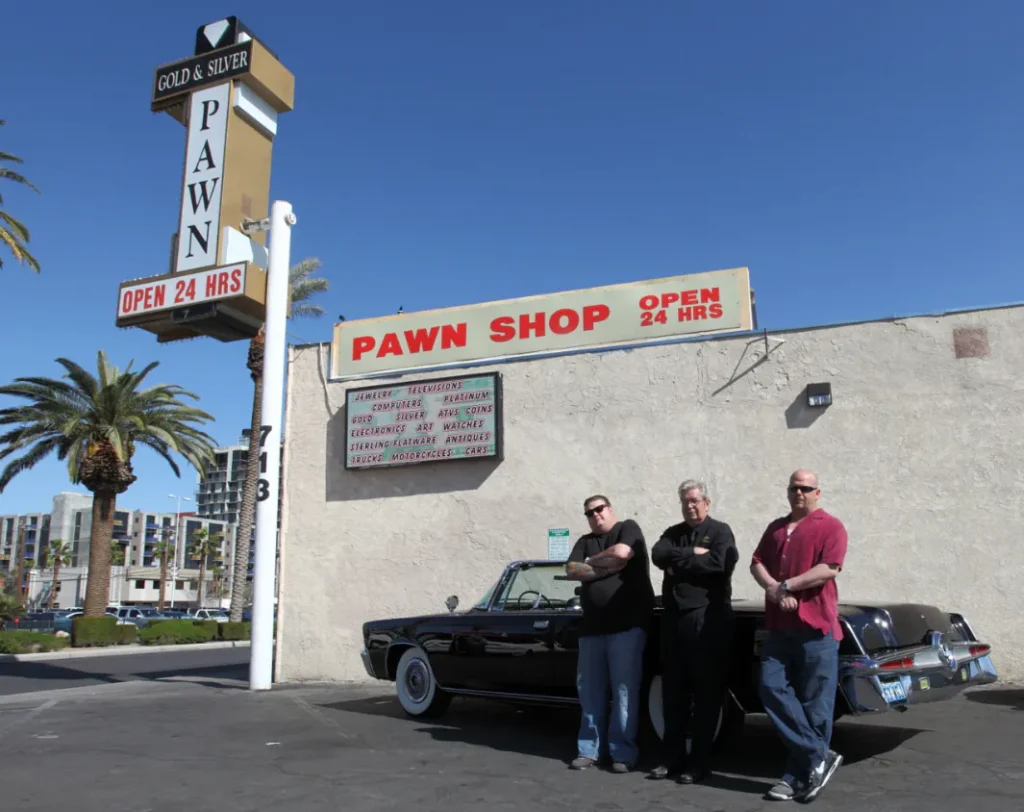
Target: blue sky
{"x": 863, "y": 159}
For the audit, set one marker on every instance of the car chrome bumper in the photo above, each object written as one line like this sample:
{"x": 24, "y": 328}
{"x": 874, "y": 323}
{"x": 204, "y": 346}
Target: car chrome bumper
{"x": 869, "y": 691}
{"x": 367, "y": 664}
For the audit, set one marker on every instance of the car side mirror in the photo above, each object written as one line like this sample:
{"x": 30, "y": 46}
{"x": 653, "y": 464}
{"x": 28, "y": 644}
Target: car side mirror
{"x": 452, "y": 603}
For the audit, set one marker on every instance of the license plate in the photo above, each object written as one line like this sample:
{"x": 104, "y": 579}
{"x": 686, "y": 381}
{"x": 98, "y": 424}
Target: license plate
{"x": 894, "y": 692}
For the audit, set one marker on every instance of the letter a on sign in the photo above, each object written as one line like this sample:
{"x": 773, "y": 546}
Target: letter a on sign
{"x": 199, "y": 227}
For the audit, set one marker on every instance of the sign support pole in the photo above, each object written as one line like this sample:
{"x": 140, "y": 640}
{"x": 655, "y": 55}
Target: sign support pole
{"x": 261, "y": 652}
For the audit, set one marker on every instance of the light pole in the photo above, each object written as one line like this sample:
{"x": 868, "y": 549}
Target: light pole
{"x": 177, "y": 537}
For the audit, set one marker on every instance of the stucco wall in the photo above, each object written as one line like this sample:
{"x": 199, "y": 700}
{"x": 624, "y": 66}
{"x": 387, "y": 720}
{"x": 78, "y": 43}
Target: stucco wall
{"x": 921, "y": 455}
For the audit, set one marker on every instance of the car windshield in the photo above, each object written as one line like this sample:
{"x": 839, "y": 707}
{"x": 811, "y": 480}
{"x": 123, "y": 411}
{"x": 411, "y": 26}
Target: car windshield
{"x": 538, "y": 586}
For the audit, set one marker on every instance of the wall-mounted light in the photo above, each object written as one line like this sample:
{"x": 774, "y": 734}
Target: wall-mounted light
{"x": 819, "y": 394}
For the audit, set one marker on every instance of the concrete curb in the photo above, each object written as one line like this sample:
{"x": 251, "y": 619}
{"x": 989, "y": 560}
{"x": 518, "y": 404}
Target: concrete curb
{"x": 117, "y": 651}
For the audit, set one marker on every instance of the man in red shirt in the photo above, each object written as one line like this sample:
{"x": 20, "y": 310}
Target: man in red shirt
{"x": 796, "y": 563}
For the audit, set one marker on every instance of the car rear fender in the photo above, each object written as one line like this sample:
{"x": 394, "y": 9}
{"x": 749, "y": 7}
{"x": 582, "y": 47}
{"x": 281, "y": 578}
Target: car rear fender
{"x": 395, "y": 652}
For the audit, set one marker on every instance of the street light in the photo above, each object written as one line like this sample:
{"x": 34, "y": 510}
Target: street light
{"x": 177, "y": 537}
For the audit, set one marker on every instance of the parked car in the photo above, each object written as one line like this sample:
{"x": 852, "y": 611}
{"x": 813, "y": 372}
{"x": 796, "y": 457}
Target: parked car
{"x": 220, "y": 615}
{"x": 521, "y": 640}
{"x": 63, "y": 624}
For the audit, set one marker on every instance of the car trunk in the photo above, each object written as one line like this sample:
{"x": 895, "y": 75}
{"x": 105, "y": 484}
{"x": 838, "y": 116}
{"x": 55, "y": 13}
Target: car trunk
{"x": 911, "y": 623}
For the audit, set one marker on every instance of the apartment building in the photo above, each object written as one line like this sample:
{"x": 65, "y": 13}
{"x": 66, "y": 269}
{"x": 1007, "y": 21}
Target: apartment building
{"x": 26, "y": 535}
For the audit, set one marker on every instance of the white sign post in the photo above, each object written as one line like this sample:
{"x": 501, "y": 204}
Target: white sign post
{"x": 261, "y": 652}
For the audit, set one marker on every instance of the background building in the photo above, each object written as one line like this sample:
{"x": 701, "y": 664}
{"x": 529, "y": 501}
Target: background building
{"x": 921, "y": 455}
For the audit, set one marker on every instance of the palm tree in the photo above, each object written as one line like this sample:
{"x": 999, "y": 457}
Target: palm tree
{"x": 13, "y": 233}
{"x": 164, "y": 549}
{"x": 203, "y": 545}
{"x": 95, "y": 425}
{"x": 59, "y": 555}
{"x": 301, "y": 287}
{"x": 116, "y": 553}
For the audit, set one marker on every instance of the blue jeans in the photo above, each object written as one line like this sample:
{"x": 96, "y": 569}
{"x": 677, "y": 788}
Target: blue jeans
{"x": 799, "y": 674}
{"x": 615, "y": 661}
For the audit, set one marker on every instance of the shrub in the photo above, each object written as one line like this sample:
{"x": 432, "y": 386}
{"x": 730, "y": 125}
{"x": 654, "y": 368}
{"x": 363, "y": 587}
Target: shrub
{"x": 126, "y": 634}
{"x": 30, "y": 642}
{"x": 177, "y": 632}
{"x": 93, "y": 631}
{"x": 234, "y": 631}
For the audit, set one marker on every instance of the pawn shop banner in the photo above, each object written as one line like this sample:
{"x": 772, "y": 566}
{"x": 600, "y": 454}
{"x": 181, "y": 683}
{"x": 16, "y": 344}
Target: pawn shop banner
{"x": 571, "y": 321}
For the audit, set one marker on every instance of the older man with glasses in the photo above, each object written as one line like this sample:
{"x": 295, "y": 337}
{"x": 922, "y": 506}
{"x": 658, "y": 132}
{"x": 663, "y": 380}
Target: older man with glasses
{"x": 698, "y": 557}
{"x": 796, "y": 563}
{"x": 617, "y": 600}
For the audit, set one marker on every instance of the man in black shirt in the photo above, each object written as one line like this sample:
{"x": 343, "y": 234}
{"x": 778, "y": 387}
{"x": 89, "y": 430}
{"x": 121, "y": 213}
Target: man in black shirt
{"x": 698, "y": 557}
{"x": 617, "y": 599}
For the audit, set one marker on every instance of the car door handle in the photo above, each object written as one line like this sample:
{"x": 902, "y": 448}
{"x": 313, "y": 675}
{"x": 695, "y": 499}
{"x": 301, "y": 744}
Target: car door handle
{"x": 541, "y": 624}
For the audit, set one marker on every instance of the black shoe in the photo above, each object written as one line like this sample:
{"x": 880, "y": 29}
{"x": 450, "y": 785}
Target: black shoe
{"x": 693, "y": 776}
{"x": 820, "y": 776}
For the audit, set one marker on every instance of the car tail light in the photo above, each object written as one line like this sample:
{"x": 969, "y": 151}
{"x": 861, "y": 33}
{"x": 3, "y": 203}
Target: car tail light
{"x": 905, "y": 662}
{"x": 980, "y": 651}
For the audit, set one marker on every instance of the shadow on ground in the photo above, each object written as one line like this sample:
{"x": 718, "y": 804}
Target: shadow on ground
{"x": 1009, "y": 697}
{"x": 28, "y": 673}
{"x": 751, "y": 761}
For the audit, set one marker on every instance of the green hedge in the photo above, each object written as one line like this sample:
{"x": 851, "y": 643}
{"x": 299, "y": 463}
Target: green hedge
{"x": 177, "y": 632}
{"x": 234, "y": 631}
{"x": 30, "y": 642}
{"x": 126, "y": 634}
{"x": 93, "y": 631}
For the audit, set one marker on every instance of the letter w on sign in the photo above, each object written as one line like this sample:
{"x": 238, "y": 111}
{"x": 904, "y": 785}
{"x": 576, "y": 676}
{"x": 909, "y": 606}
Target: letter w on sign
{"x": 199, "y": 226}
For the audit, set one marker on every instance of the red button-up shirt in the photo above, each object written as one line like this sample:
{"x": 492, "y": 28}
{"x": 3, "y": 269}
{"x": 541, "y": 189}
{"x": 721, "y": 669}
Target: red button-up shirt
{"x": 819, "y": 539}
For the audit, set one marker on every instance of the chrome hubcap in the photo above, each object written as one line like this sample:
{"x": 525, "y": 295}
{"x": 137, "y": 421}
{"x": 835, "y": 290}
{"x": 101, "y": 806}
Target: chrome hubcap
{"x": 417, "y": 681}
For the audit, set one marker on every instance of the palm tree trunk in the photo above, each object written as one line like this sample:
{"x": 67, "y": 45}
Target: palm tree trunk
{"x": 97, "y": 592}
{"x": 163, "y": 579}
{"x": 240, "y": 568}
{"x": 53, "y": 586}
{"x": 202, "y": 577}
{"x": 19, "y": 550}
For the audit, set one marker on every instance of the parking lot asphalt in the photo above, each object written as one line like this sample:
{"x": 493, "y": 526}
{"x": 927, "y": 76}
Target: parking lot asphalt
{"x": 157, "y": 746}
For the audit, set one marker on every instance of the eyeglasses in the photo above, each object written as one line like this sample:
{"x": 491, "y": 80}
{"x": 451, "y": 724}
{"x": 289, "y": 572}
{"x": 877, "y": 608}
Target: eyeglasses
{"x": 594, "y": 511}
{"x": 802, "y": 488}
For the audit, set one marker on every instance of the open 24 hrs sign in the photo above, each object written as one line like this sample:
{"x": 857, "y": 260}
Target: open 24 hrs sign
{"x": 182, "y": 290}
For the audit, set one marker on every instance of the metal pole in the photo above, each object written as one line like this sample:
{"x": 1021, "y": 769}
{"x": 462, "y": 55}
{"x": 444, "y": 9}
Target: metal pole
{"x": 261, "y": 651}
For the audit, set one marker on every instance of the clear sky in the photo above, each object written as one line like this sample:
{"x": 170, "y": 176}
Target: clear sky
{"x": 863, "y": 159}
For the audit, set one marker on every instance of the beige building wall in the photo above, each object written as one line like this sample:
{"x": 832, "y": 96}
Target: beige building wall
{"x": 921, "y": 455}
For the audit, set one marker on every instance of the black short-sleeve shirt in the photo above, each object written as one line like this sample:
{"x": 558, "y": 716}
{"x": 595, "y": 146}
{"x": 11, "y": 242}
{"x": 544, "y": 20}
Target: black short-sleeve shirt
{"x": 622, "y": 600}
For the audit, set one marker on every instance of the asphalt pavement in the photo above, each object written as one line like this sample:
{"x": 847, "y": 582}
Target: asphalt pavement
{"x": 44, "y": 675}
{"x": 209, "y": 745}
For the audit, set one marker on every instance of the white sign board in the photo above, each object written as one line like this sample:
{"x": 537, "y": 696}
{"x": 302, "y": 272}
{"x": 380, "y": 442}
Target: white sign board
{"x": 559, "y": 545}
{"x": 169, "y": 293}
{"x": 199, "y": 226}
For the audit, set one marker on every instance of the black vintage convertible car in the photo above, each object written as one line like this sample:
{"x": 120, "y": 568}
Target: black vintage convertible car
{"x": 520, "y": 643}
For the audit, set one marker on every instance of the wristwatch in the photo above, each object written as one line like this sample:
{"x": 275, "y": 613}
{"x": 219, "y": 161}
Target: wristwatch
{"x": 783, "y": 587}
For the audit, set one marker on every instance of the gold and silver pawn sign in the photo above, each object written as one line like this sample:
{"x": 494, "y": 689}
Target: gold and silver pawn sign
{"x": 228, "y": 95}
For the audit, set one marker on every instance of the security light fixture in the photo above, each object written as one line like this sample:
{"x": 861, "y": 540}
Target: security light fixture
{"x": 819, "y": 394}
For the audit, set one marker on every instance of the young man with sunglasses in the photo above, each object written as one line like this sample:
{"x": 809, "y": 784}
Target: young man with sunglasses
{"x": 617, "y": 598}
{"x": 796, "y": 563}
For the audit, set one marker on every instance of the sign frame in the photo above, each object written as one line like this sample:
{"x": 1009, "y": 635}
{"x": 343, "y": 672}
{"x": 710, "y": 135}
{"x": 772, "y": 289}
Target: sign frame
{"x": 606, "y": 298}
{"x": 499, "y": 421}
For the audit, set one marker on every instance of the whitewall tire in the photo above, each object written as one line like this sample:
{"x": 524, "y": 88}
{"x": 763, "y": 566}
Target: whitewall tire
{"x": 656, "y": 712}
{"x": 416, "y": 687}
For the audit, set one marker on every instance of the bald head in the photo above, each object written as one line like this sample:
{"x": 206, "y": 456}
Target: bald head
{"x": 803, "y": 492}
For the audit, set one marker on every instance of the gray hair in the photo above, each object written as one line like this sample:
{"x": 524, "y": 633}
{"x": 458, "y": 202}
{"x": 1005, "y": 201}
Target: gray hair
{"x": 693, "y": 484}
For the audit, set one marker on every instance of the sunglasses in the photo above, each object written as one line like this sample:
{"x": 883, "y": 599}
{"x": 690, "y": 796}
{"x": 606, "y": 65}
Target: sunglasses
{"x": 594, "y": 511}
{"x": 802, "y": 488}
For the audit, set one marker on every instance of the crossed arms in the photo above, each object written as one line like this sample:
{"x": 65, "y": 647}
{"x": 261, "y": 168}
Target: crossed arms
{"x": 602, "y": 564}
{"x": 815, "y": 576}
